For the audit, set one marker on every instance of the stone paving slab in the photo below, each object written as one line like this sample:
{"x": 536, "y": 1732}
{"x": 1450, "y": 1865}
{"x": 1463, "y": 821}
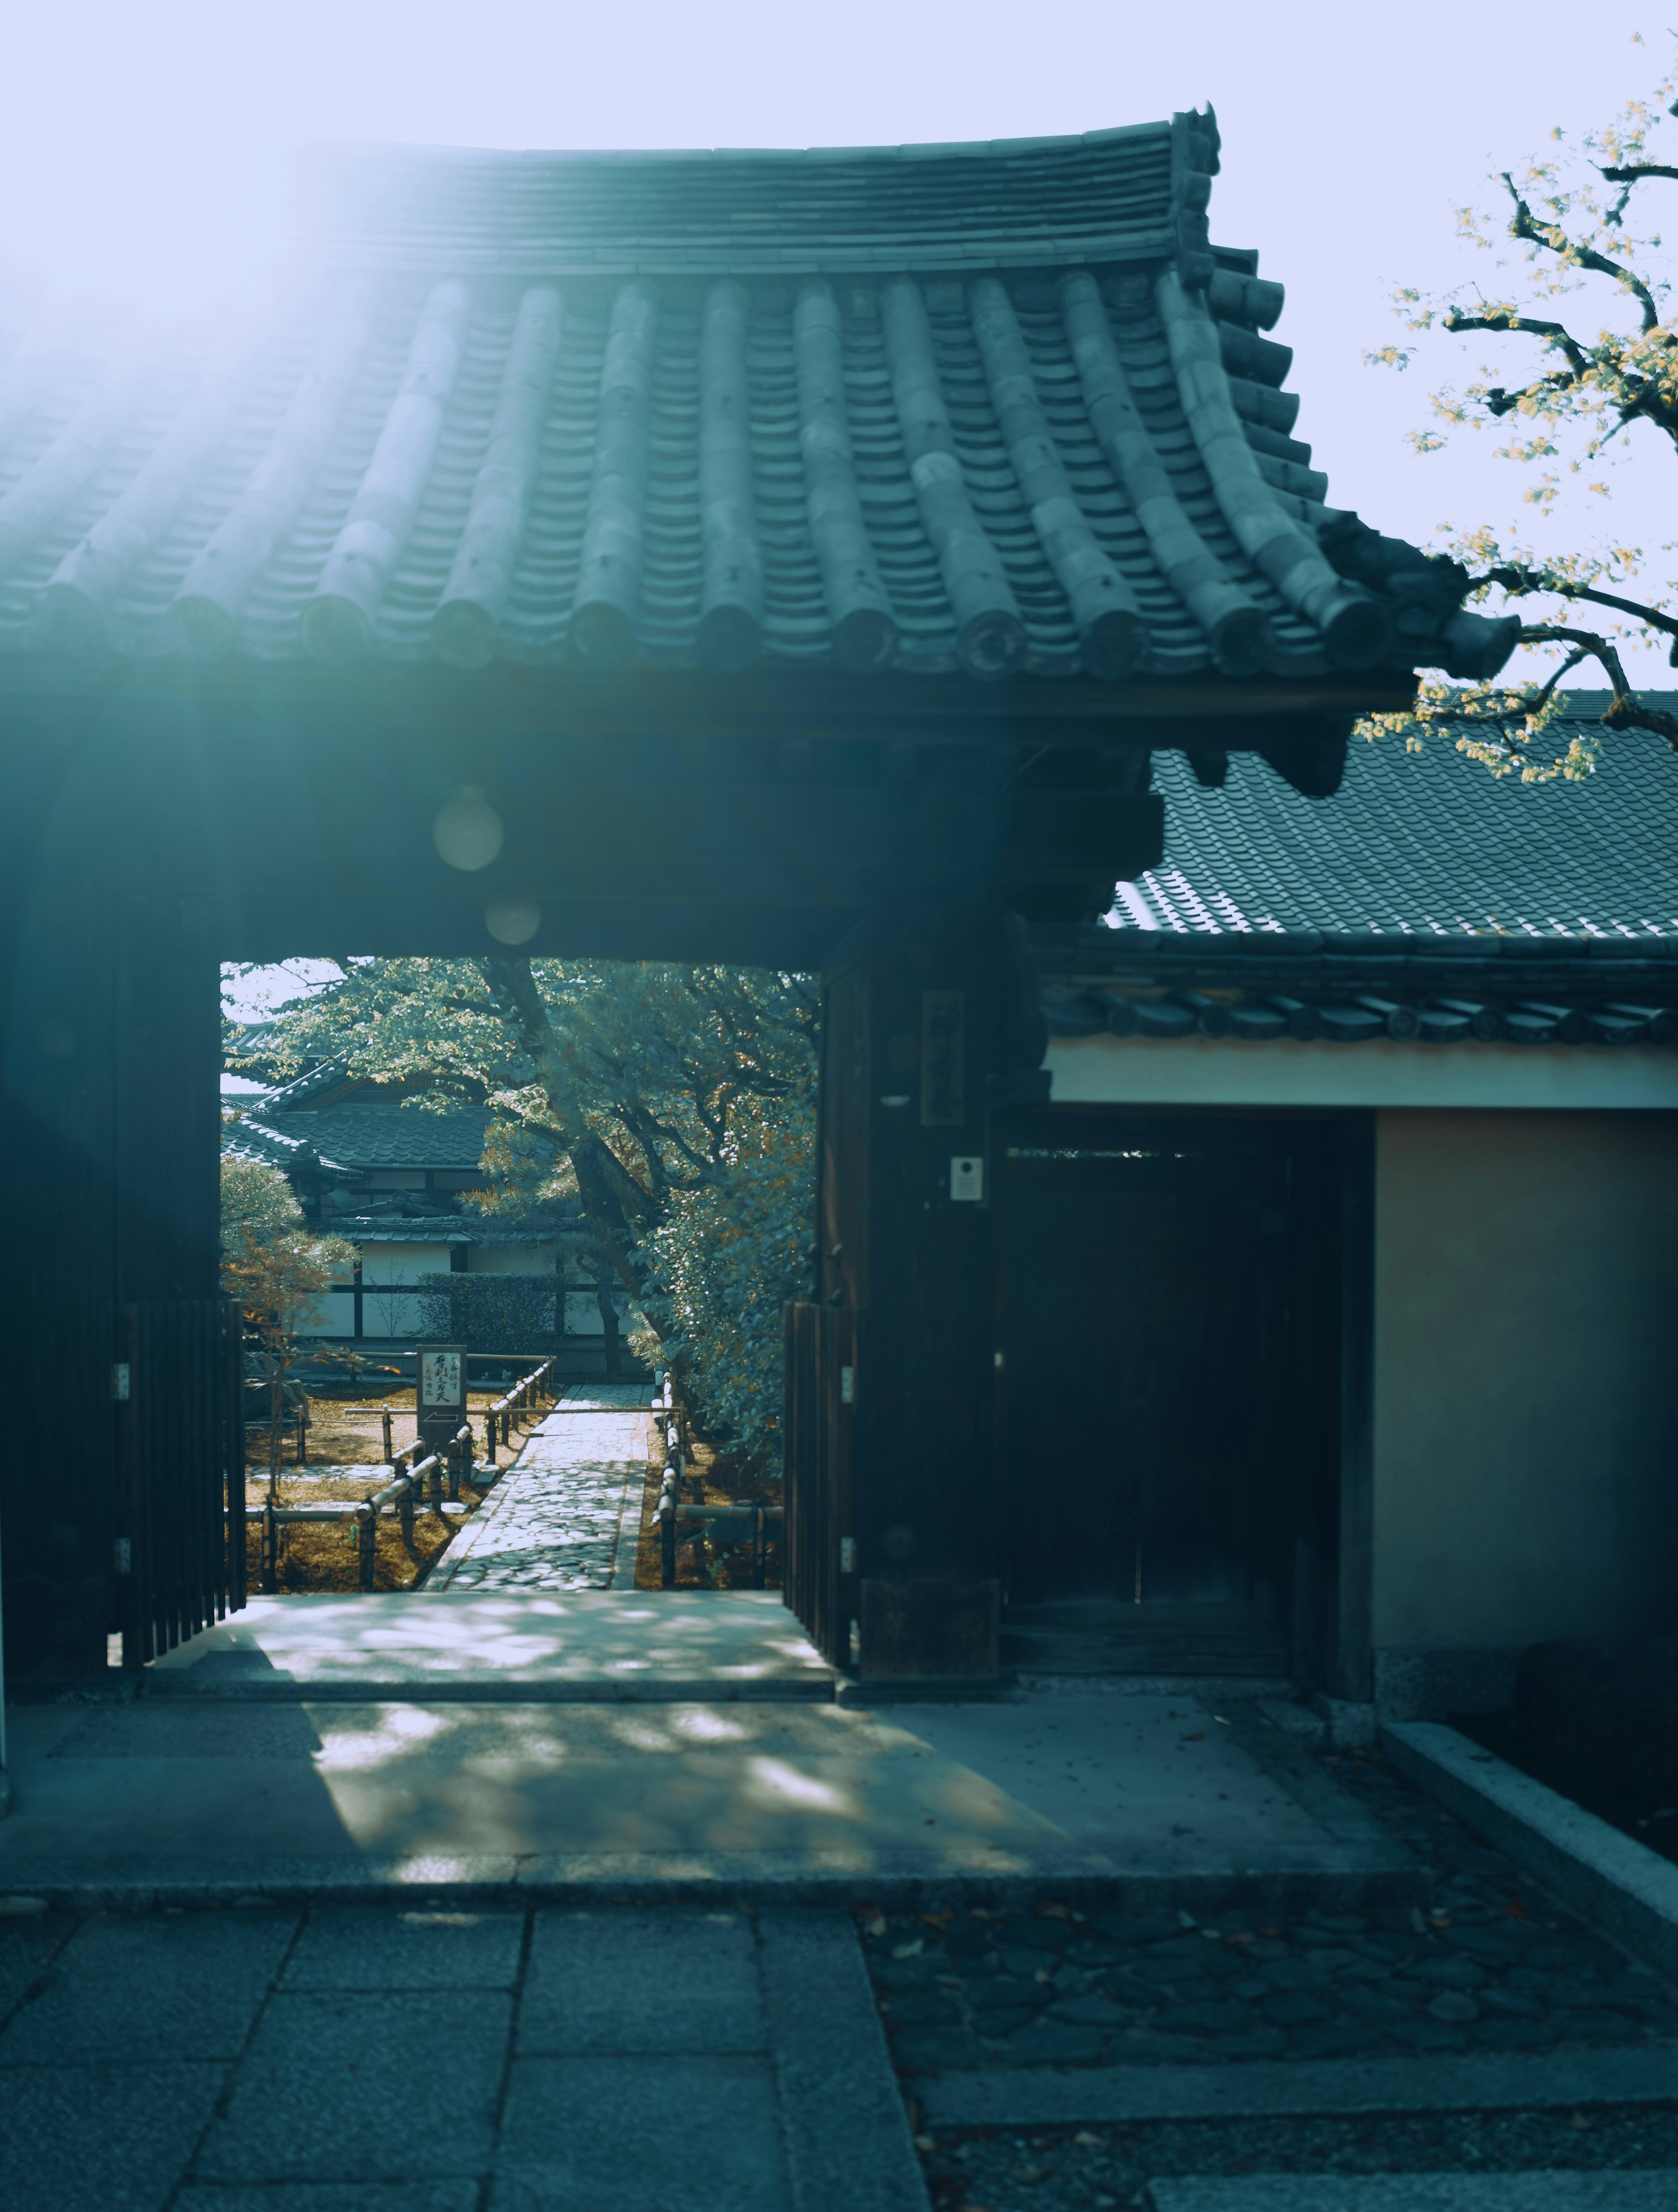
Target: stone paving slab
{"x": 1419, "y": 2192}
{"x": 101, "y": 2138}
{"x": 593, "y": 2079}
{"x": 677, "y": 2133}
{"x": 799, "y": 1800}
{"x": 326, "y": 2072}
{"x": 131, "y": 1986}
{"x": 567, "y": 1517}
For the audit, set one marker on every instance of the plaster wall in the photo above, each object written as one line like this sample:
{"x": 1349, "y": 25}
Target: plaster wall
{"x": 1525, "y": 1459}
{"x": 1199, "y": 1071}
{"x": 509, "y": 1259}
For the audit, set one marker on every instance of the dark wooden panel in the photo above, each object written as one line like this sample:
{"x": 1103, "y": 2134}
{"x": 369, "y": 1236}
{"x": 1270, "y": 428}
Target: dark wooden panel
{"x": 1161, "y": 1445}
{"x": 182, "y": 1449}
{"x": 920, "y": 1628}
{"x": 821, "y": 1375}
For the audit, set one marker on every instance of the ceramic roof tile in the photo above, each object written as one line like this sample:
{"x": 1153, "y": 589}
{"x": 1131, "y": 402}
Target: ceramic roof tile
{"x": 366, "y": 1138}
{"x": 1412, "y": 844}
{"x": 484, "y": 432}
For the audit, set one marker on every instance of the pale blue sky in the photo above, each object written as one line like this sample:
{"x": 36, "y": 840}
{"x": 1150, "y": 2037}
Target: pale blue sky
{"x": 1351, "y": 135}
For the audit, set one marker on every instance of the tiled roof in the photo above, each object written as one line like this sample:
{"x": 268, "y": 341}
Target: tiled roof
{"x": 974, "y": 408}
{"x": 432, "y": 1228}
{"x": 1106, "y": 196}
{"x": 302, "y": 1089}
{"x": 1423, "y": 844}
{"x": 250, "y": 1139}
{"x": 365, "y": 1138}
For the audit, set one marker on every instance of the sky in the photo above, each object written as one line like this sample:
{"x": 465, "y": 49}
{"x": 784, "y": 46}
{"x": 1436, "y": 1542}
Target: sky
{"x": 136, "y": 139}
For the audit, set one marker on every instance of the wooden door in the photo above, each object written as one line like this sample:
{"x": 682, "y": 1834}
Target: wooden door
{"x": 1148, "y": 1440}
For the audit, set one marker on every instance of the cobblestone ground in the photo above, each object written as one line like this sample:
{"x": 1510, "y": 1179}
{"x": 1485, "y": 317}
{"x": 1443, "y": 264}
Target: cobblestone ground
{"x": 567, "y": 1515}
{"x": 1490, "y": 1964}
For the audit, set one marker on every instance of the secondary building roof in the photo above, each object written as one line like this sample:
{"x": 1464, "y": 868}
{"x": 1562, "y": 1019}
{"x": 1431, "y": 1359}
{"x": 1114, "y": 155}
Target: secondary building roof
{"x": 1423, "y": 843}
{"x": 976, "y": 408}
{"x": 1427, "y": 901}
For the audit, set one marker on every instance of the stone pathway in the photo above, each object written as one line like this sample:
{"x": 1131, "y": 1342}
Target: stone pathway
{"x": 414, "y": 2057}
{"x": 568, "y": 1515}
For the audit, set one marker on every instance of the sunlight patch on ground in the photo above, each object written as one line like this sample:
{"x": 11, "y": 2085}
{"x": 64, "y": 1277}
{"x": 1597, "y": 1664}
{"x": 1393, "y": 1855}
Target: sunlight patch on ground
{"x": 785, "y": 1784}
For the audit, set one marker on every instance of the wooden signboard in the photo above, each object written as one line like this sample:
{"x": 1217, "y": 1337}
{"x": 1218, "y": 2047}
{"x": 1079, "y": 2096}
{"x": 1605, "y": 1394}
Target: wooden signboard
{"x": 441, "y": 1393}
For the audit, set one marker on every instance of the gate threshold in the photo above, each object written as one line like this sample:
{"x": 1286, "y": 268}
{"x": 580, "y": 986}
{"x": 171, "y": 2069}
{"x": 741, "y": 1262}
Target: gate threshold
{"x": 498, "y": 1647}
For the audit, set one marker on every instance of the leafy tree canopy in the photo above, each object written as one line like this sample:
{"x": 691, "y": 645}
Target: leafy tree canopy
{"x": 674, "y": 1106}
{"x": 1583, "y": 299}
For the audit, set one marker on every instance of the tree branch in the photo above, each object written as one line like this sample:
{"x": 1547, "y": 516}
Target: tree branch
{"x": 1587, "y": 257}
{"x": 1519, "y": 582}
{"x": 1625, "y": 711}
{"x": 1554, "y": 334}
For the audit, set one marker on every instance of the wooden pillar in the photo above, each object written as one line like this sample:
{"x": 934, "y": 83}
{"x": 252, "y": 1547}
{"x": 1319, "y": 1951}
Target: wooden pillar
{"x": 930, "y": 1025}
{"x": 109, "y": 1146}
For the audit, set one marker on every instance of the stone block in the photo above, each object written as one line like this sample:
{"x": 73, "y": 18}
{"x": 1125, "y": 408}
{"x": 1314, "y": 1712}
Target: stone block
{"x": 641, "y": 2134}
{"x": 328, "y": 2074}
{"x": 151, "y": 1985}
{"x": 672, "y": 1981}
{"x": 101, "y": 2138}
{"x": 388, "y": 1946}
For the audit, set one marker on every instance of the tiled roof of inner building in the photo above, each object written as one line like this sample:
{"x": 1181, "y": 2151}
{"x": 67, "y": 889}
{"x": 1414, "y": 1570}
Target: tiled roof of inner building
{"x": 1417, "y": 845}
{"x": 363, "y": 1138}
{"x": 941, "y": 407}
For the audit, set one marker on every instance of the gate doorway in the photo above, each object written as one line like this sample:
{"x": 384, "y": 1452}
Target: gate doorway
{"x": 1168, "y": 1356}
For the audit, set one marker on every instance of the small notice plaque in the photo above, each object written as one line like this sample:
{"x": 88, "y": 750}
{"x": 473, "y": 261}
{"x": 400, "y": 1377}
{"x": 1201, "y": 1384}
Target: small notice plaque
{"x": 442, "y": 1392}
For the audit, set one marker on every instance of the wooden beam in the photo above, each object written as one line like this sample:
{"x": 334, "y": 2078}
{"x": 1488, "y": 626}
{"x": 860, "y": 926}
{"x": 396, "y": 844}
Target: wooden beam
{"x": 762, "y": 705}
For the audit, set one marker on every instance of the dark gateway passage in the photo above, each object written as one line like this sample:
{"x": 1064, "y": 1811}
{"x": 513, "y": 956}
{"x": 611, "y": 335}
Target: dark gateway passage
{"x": 1162, "y": 1316}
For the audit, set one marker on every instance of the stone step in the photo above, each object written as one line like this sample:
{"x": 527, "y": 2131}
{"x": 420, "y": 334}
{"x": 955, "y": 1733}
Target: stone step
{"x": 500, "y": 1647}
{"x": 1642, "y": 2190}
{"x": 1094, "y": 2096}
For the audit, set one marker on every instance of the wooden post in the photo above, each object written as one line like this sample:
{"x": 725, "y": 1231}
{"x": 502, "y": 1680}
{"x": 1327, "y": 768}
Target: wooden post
{"x": 384, "y": 1425}
{"x": 489, "y": 1437}
{"x": 303, "y": 1434}
{"x": 667, "y": 1541}
{"x": 367, "y": 1530}
{"x": 269, "y": 1576}
{"x": 405, "y": 1507}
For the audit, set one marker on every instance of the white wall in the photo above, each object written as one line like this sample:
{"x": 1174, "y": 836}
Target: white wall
{"x": 1526, "y": 1354}
{"x": 1201, "y": 1071}
{"x": 385, "y": 1312}
{"x": 510, "y": 1260}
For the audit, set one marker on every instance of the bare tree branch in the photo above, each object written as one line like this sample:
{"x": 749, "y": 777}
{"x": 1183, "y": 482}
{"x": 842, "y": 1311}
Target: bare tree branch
{"x": 1520, "y": 582}
{"x": 1625, "y": 711}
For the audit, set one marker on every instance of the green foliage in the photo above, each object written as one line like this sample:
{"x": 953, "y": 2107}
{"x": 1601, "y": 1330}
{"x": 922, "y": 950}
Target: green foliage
{"x": 489, "y": 1313}
{"x": 729, "y": 1255}
{"x": 639, "y": 1099}
{"x": 1565, "y": 248}
{"x": 272, "y": 1262}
